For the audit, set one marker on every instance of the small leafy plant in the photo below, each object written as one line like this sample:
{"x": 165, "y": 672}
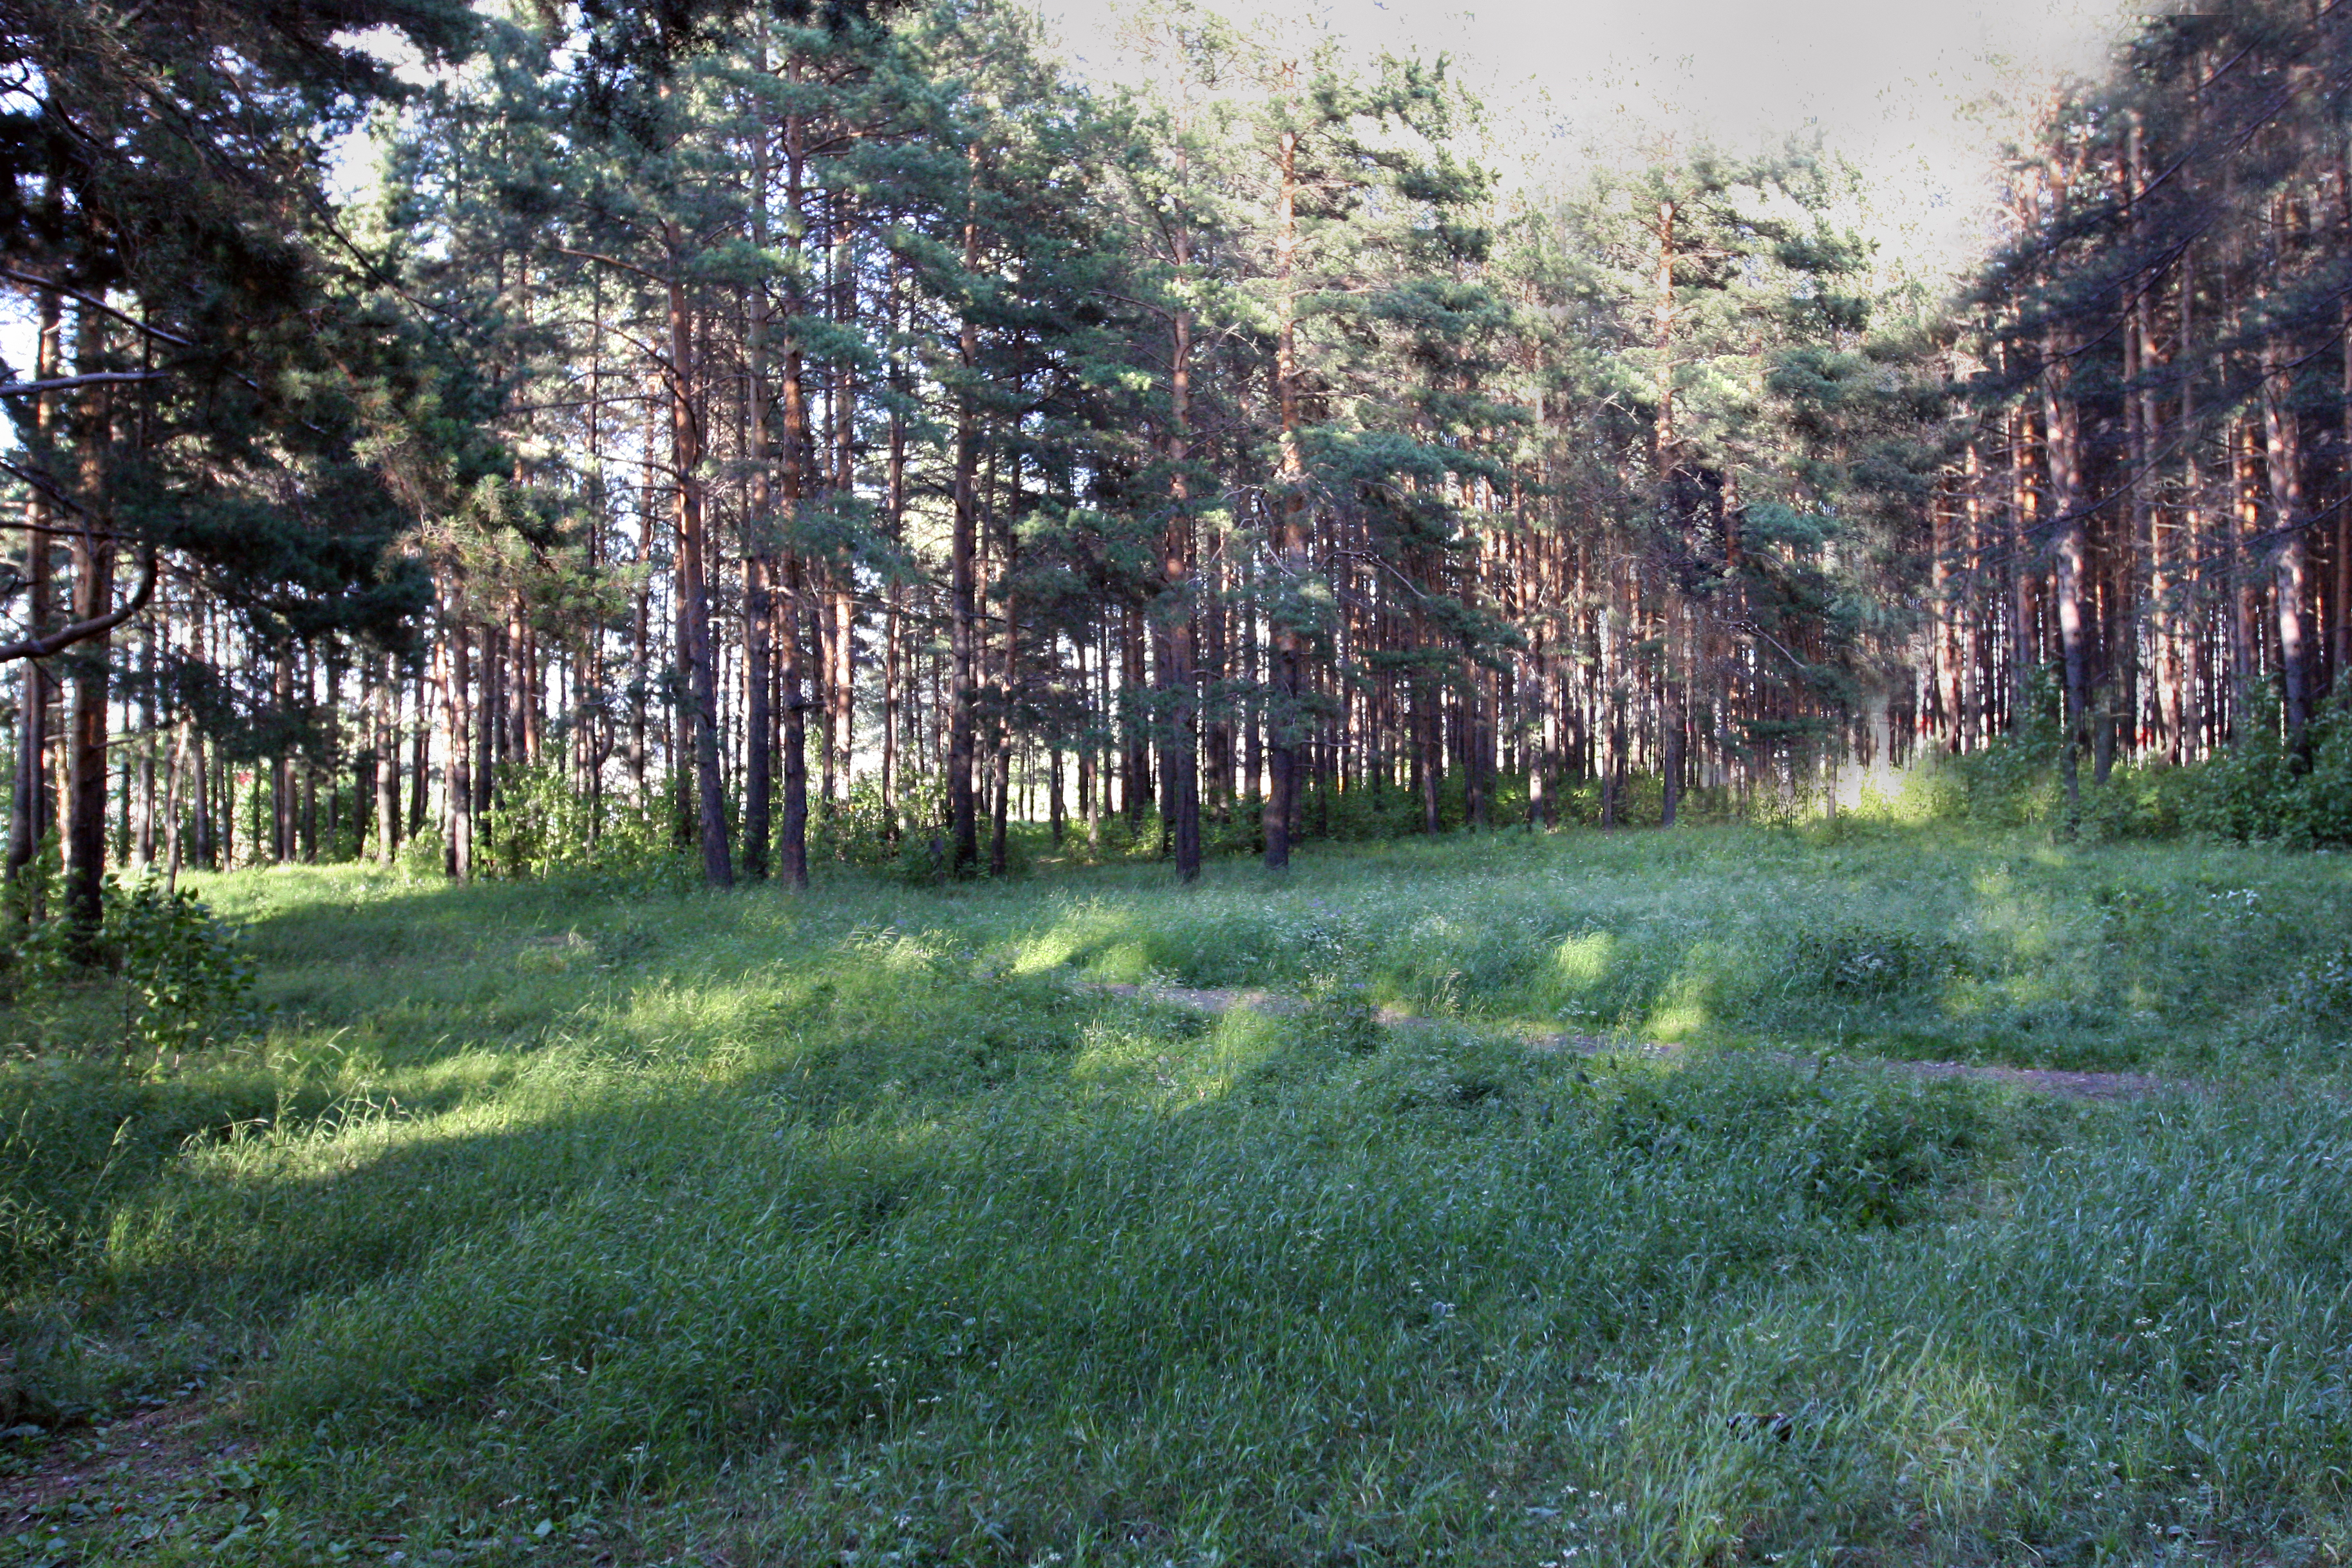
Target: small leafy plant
{"x": 183, "y": 972}
{"x": 185, "y": 978}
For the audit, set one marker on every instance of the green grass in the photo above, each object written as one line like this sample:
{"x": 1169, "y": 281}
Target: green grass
{"x": 555, "y": 1221}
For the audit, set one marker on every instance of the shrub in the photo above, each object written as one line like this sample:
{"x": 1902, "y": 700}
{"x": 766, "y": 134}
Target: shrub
{"x": 2260, "y": 790}
{"x": 185, "y": 978}
{"x": 2256, "y": 791}
{"x": 183, "y": 975}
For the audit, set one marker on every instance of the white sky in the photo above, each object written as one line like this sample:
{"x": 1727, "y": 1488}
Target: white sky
{"x": 1920, "y": 95}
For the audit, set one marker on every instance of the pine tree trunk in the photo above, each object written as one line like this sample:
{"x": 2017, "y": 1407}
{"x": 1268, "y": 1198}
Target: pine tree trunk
{"x": 143, "y": 812}
{"x": 2245, "y": 594}
{"x": 641, "y": 617}
{"x": 1181, "y": 762}
{"x": 2282, "y": 443}
{"x": 2025, "y": 548}
{"x": 457, "y": 784}
{"x": 93, "y": 595}
{"x": 1001, "y": 769}
{"x": 2061, "y": 426}
{"x": 92, "y": 556}
{"x": 895, "y": 710}
{"x": 759, "y": 782}
{"x": 698, "y": 652}
{"x": 963, "y": 654}
{"x": 387, "y": 768}
{"x": 1282, "y": 716}
{"x": 791, "y": 866}
{"x": 30, "y": 818}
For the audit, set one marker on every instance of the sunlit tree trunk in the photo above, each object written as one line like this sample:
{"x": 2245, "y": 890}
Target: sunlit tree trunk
{"x": 2282, "y": 447}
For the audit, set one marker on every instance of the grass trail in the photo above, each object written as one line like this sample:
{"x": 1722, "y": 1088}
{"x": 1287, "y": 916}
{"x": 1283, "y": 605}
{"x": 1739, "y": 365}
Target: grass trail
{"x": 556, "y": 1221}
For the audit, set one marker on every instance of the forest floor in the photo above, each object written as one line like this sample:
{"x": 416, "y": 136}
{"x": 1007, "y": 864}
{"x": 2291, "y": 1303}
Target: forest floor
{"x": 1085, "y": 1219}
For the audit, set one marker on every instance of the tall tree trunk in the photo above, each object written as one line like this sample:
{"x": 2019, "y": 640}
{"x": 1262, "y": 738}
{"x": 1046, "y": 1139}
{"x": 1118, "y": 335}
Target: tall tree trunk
{"x": 1000, "y": 770}
{"x": 641, "y": 669}
{"x": 2245, "y": 597}
{"x": 174, "y": 780}
{"x": 791, "y": 676}
{"x": 388, "y": 767}
{"x": 2340, "y": 641}
{"x": 93, "y": 596}
{"x": 29, "y": 820}
{"x": 2061, "y": 419}
{"x": 759, "y": 783}
{"x": 1181, "y": 762}
{"x": 489, "y": 723}
{"x": 894, "y": 503}
{"x": 700, "y": 653}
{"x": 1283, "y": 717}
{"x": 2188, "y": 725}
{"x": 842, "y": 720}
{"x": 1673, "y": 726}
{"x": 2281, "y": 444}
{"x": 142, "y": 819}
{"x": 963, "y": 674}
{"x": 2025, "y": 585}
{"x": 457, "y": 786}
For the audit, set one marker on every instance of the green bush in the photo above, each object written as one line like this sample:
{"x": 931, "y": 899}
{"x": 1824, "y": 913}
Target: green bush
{"x": 2257, "y": 792}
{"x": 182, "y": 972}
{"x": 2261, "y": 791}
{"x": 187, "y": 980}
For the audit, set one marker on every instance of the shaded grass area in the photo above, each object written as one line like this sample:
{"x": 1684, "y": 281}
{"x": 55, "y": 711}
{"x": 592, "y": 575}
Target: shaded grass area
{"x": 554, "y": 1220}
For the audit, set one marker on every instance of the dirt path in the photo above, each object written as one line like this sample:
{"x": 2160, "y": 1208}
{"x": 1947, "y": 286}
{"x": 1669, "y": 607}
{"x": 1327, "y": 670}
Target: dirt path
{"x": 143, "y": 1475}
{"x": 2104, "y": 1086}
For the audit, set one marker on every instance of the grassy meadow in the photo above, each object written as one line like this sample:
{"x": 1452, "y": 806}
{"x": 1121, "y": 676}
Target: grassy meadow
{"x": 580, "y": 1221}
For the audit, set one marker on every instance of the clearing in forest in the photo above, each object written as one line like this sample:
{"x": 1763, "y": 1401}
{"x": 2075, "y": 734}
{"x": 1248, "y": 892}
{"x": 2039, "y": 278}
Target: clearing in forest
{"x": 583, "y": 1221}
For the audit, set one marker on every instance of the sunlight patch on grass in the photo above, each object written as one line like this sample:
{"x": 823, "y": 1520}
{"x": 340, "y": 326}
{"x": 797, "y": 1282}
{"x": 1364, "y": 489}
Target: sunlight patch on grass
{"x": 1583, "y": 961}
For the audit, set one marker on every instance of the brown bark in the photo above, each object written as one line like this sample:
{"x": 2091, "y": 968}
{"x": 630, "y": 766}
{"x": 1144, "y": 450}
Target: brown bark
{"x": 963, "y": 652}
{"x": 1180, "y": 760}
{"x": 29, "y": 820}
{"x": 1283, "y": 717}
{"x": 699, "y": 653}
{"x": 387, "y": 761}
{"x": 759, "y": 781}
{"x": 2282, "y": 456}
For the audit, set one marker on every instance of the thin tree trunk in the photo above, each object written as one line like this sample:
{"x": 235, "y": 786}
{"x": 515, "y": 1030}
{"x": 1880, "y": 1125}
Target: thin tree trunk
{"x": 2282, "y": 443}
{"x": 1180, "y": 760}
{"x": 458, "y": 785}
{"x": 699, "y": 654}
{"x": 2060, "y": 417}
{"x": 759, "y": 783}
{"x": 93, "y": 596}
{"x": 387, "y": 768}
{"x": 962, "y": 677}
{"x": 1282, "y": 716}
{"x": 29, "y": 820}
